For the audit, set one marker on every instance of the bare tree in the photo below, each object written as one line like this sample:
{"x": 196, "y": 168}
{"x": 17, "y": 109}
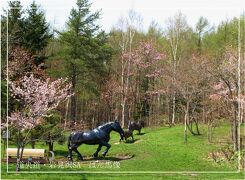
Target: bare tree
{"x": 128, "y": 27}
{"x": 190, "y": 84}
{"x": 176, "y": 29}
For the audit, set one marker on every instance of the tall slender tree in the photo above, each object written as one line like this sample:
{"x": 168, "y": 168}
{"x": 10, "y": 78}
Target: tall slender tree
{"x": 86, "y": 50}
{"x": 175, "y": 32}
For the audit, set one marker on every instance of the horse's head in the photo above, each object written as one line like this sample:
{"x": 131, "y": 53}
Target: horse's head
{"x": 117, "y": 127}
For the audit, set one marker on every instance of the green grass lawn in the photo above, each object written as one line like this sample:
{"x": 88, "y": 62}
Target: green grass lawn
{"x": 159, "y": 153}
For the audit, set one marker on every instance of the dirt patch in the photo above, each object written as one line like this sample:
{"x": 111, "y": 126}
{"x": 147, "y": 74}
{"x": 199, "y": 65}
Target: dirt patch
{"x": 124, "y": 156}
{"x": 138, "y": 141}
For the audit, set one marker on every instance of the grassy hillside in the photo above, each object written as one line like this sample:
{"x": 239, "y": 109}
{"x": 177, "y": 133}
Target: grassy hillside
{"x": 160, "y": 150}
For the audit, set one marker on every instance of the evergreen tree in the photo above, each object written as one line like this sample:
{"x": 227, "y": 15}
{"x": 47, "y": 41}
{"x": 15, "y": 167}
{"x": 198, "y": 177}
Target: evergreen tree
{"x": 15, "y": 22}
{"x": 12, "y": 21}
{"x": 87, "y": 51}
{"x": 36, "y": 30}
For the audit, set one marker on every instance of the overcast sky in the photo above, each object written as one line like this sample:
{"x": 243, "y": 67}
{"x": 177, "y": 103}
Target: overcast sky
{"x": 57, "y": 11}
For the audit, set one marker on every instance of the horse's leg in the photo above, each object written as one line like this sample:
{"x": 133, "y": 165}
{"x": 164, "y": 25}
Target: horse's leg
{"x": 139, "y": 131}
{"x": 79, "y": 156}
{"x": 132, "y": 137}
{"x": 70, "y": 153}
{"x": 97, "y": 151}
{"x": 108, "y": 146}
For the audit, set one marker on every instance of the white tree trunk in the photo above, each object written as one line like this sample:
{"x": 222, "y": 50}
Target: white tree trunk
{"x": 186, "y": 119}
{"x": 123, "y": 115}
{"x": 173, "y": 111}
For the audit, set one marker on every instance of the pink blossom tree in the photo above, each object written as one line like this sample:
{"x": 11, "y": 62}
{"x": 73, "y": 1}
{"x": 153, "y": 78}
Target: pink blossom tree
{"x": 147, "y": 65}
{"x": 36, "y": 98}
{"x": 22, "y": 62}
{"x": 227, "y": 87}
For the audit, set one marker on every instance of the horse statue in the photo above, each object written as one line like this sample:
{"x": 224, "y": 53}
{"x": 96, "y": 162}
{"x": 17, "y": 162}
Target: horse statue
{"x": 136, "y": 125}
{"x": 128, "y": 133}
{"x": 100, "y": 136}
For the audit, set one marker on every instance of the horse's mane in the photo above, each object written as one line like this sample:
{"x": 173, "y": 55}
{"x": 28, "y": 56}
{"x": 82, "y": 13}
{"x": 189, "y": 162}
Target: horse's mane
{"x": 105, "y": 125}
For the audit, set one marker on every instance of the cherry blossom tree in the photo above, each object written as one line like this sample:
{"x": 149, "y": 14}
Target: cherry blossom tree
{"x": 146, "y": 70}
{"x": 22, "y": 62}
{"x": 36, "y": 98}
{"x": 229, "y": 79}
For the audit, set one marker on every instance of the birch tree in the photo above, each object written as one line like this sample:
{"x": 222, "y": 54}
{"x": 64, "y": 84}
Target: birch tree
{"x": 174, "y": 33}
{"x": 128, "y": 27}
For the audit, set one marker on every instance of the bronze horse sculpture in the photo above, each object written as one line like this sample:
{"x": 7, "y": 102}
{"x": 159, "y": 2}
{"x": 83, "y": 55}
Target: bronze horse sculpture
{"x": 100, "y": 136}
{"x": 136, "y": 125}
{"x": 128, "y": 133}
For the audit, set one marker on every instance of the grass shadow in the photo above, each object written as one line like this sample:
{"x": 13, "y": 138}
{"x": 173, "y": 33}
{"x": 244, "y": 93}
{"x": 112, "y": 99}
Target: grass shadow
{"x": 88, "y": 159}
{"x": 61, "y": 153}
{"x": 141, "y": 134}
{"x": 131, "y": 141}
{"x": 109, "y": 158}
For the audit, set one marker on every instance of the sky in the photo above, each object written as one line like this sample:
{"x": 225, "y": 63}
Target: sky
{"x": 57, "y": 11}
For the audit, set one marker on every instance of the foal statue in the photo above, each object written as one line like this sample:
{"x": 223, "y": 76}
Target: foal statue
{"x": 100, "y": 136}
{"x": 136, "y": 125}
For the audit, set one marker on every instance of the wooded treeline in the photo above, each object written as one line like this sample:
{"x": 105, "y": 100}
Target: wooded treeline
{"x": 168, "y": 74}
